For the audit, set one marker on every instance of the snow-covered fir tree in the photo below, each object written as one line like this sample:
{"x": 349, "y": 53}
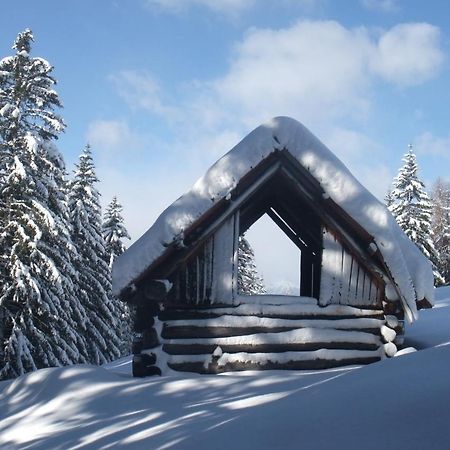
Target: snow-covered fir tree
{"x": 249, "y": 281}
{"x": 104, "y": 330}
{"x": 412, "y": 209}
{"x": 114, "y": 231}
{"x": 388, "y": 199}
{"x": 38, "y": 308}
{"x": 440, "y": 226}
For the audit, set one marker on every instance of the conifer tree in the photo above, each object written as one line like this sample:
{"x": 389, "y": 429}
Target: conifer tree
{"x": 94, "y": 287}
{"x": 38, "y": 307}
{"x": 412, "y": 209}
{"x": 440, "y": 226}
{"x": 114, "y": 231}
{"x": 388, "y": 199}
{"x": 249, "y": 282}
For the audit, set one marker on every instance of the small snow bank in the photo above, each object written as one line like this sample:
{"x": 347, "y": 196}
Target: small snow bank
{"x": 433, "y": 327}
{"x": 442, "y": 296}
{"x": 410, "y": 270}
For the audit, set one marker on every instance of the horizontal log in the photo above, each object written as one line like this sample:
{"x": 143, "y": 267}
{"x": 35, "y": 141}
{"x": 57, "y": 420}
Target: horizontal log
{"x": 205, "y": 349}
{"x": 143, "y": 365}
{"x": 210, "y": 314}
{"x": 392, "y": 321}
{"x": 150, "y": 339}
{"x": 388, "y": 334}
{"x": 274, "y": 310}
{"x": 390, "y": 349}
{"x": 189, "y": 332}
{"x": 316, "y": 364}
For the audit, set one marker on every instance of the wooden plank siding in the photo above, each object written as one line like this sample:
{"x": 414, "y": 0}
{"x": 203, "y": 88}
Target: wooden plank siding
{"x": 344, "y": 281}
{"x": 209, "y": 275}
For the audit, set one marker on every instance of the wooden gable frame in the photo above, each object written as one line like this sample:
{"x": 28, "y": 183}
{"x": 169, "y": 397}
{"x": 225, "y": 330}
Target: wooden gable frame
{"x": 261, "y": 191}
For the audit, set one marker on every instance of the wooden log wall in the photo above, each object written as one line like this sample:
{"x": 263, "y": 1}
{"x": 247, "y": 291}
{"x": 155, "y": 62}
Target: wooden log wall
{"x": 230, "y": 340}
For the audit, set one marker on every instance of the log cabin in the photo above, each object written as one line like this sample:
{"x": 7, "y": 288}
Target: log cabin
{"x": 360, "y": 276}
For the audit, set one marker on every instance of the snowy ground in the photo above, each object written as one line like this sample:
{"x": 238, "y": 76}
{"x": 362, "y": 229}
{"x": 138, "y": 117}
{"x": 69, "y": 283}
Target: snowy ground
{"x": 401, "y": 403}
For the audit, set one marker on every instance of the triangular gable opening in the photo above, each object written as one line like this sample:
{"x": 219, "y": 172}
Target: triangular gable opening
{"x": 269, "y": 262}
{"x": 295, "y": 218}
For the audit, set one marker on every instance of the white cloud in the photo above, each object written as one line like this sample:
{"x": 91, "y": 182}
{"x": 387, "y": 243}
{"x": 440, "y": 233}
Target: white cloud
{"x": 311, "y": 70}
{"x": 111, "y": 136}
{"x": 428, "y": 144}
{"x": 385, "y": 6}
{"x": 140, "y": 90}
{"x": 319, "y": 72}
{"x": 408, "y": 54}
{"x": 231, "y": 7}
{"x": 349, "y": 145}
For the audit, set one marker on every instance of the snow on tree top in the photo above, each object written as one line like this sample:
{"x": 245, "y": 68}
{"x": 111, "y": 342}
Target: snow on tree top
{"x": 410, "y": 270}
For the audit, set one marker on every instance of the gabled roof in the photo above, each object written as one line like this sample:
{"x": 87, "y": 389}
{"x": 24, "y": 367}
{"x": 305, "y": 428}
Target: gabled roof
{"x": 409, "y": 270}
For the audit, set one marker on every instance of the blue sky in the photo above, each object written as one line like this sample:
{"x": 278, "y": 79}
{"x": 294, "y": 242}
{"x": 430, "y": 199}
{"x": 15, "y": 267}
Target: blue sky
{"x": 162, "y": 88}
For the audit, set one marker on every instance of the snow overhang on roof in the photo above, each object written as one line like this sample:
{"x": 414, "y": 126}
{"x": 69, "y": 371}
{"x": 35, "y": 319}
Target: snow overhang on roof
{"x": 410, "y": 271}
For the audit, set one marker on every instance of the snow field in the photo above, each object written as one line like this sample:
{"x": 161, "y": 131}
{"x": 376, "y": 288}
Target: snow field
{"x": 399, "y": 403}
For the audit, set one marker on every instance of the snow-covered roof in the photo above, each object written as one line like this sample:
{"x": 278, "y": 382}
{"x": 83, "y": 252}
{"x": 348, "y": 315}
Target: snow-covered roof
{"x": 409, "y": 269}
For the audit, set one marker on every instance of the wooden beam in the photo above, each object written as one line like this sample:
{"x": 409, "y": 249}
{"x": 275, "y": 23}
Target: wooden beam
{"x": 288, "y": 231}
{"x": 192, "y": 332}
{"x": 313, "y": 364}
{"x": 174, "y": 348}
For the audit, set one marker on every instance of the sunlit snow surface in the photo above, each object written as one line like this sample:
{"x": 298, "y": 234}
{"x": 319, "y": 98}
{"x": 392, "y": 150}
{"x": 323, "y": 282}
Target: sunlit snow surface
{"x": 400, "y": 403}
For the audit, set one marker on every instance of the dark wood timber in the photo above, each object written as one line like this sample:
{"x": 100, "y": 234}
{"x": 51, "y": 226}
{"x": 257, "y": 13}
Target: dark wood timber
{"x": 392, "y": 308}
{"x": 143, "y": 365}
{"x": 424, "y": 304}
{"x": 210, "y": 314}
{"x": 208, "y": 349}
{"x": 191, "y": 332}
{"x": 150, "y": 339}
{"x": 316, "y": 364}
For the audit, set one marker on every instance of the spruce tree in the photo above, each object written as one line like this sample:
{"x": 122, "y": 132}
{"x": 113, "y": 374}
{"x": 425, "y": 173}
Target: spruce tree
{"x": 440, "y": 226}
{"x": 388, "y": 199}
{"x": 412, "y": 209}
{"x": 94, "y": 287}
{"x": 38, "y": 307}
{"x": 114, "y": 231}
{"x": 249, "y": 282}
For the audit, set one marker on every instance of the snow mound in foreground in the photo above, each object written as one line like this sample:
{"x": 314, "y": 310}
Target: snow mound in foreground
{"x": 410, "y": 270}
{"x": 400, "y": 403}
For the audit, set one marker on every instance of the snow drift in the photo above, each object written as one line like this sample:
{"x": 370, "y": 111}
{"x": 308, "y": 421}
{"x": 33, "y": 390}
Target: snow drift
{"x": 400, "y": 403}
